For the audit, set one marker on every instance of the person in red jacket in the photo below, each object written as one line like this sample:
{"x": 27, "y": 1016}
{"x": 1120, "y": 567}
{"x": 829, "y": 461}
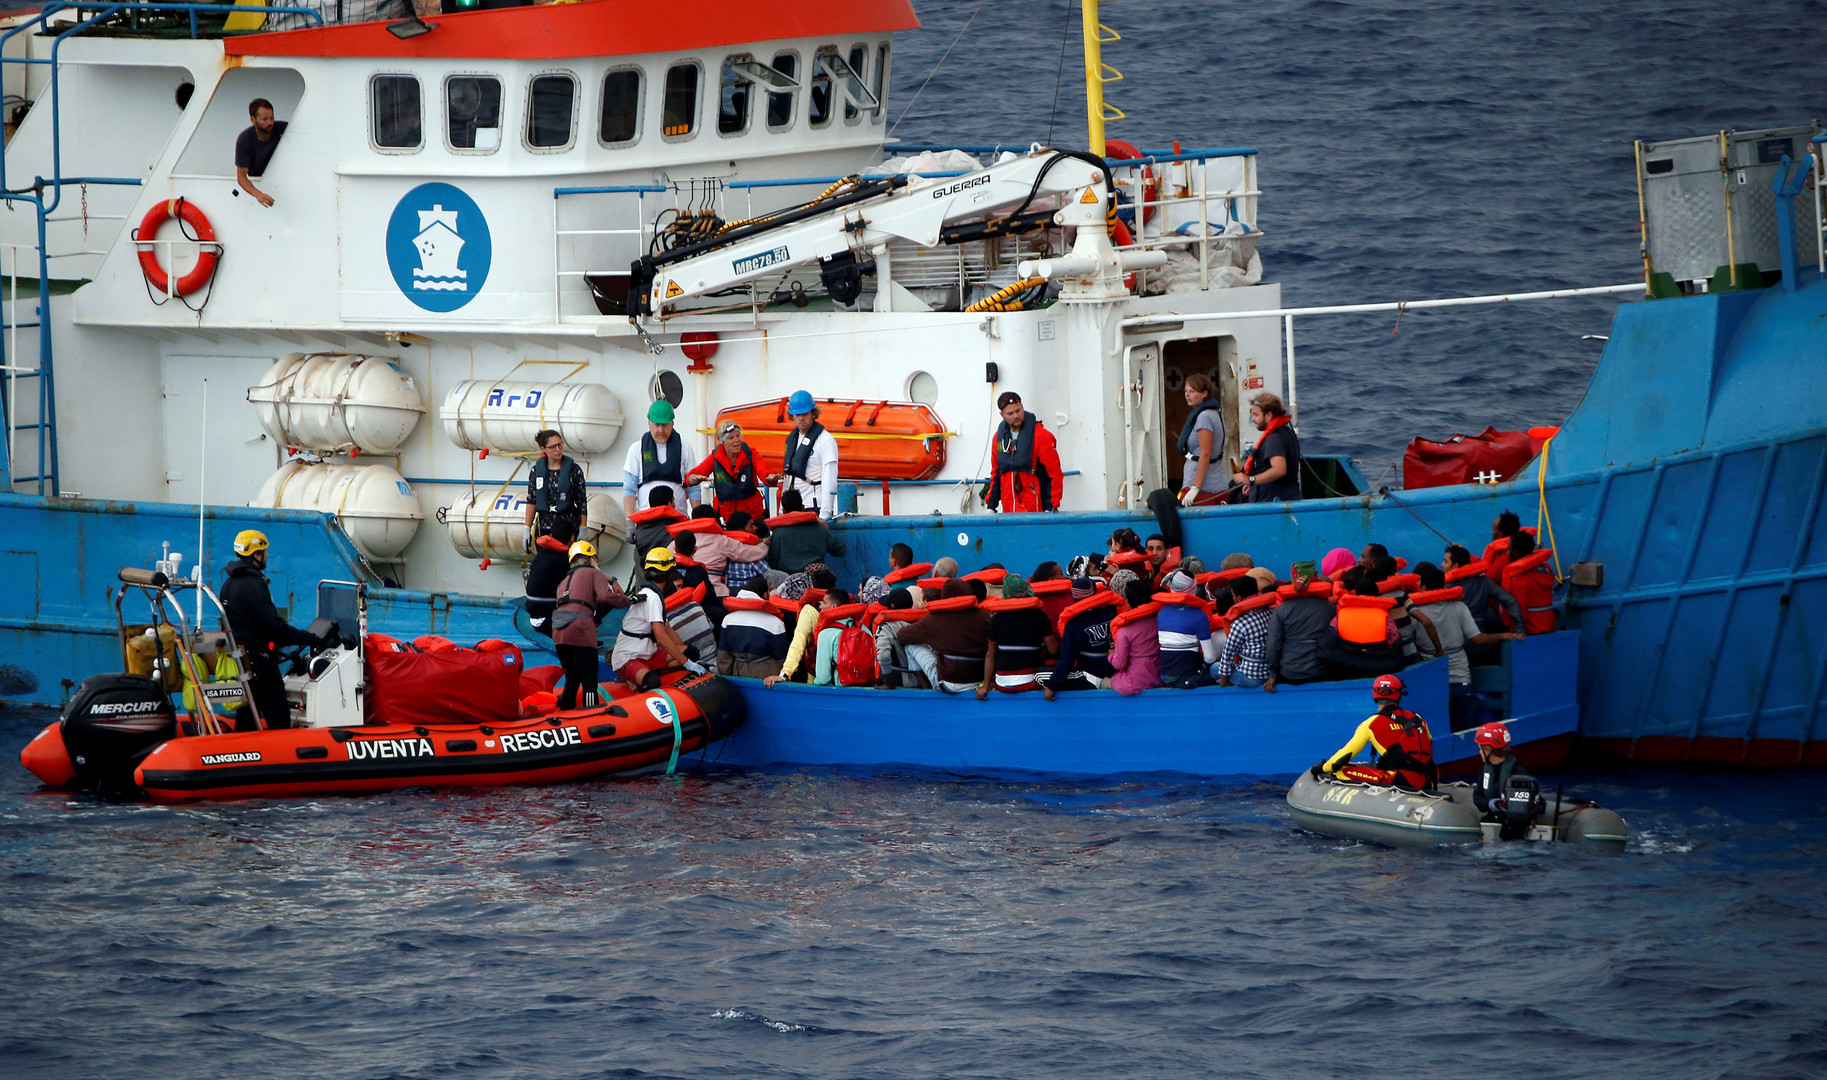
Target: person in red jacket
{"x": 1027, "y": 475}
{"x": 1527, "y": 577}
{"x": 1400, "y": 739}
{"x": 1497, "y": 552}
{"x": 735, "y": 471}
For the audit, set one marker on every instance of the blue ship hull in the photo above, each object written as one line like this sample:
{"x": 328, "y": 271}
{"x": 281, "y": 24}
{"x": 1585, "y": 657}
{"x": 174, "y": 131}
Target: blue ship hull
{"x": 1211, "y": 731}
{"x": 1692, "y": 472}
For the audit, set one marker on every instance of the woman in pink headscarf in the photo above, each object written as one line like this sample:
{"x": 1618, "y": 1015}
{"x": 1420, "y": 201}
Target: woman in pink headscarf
{"x": 1336, "y": 562}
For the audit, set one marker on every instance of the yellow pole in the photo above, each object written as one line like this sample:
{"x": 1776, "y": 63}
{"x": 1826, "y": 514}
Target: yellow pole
{"x": 1094, "y": 75}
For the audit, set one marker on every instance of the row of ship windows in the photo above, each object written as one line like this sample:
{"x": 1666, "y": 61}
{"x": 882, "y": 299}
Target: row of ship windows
{"x": 473, "y": 110}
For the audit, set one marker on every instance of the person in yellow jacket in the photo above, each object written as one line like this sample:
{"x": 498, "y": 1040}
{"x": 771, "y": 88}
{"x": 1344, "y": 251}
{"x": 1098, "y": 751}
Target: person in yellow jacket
{"x": 1403, "y": 744}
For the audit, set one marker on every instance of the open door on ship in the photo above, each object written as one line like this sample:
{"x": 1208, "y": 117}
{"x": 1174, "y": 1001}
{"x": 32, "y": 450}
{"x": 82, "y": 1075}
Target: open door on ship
{"x": 1216, "y": 358}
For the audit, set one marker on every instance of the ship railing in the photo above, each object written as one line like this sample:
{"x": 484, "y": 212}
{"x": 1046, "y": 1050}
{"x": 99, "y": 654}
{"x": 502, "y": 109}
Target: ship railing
{"x": 590, "y": 265}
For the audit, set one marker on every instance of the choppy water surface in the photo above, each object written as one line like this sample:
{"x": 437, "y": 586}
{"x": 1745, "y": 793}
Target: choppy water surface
{"x": 818, "y": 924}
{"x": 821, "y": 924}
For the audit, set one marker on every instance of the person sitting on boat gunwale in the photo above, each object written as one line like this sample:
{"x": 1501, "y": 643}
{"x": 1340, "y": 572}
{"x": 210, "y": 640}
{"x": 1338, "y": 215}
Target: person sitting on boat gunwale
{"x": 1271, "y": 471}
{"x": 891, "y": 661}
{"x": 1185, "y": 635}
{"x": 802, "y": 648}
{"x": 798, "y": 537}
{"x": 1400, "y": 739}
{"x": 1296, "y": 628}
{"x": 1244, "y": 659}
{"x": 1453, "y": 629}
{"x": 1135, "y": 647}
{"x": 949, "y": 644}
{"x": 247, "y": 607}
{"x": 754, "y": 641}
{"x": 555, "y": 489}
{"x": 694, "y": 573}
{"x": 1084, "y": 647}
{"x": 1026, "y": 476}
{"x": 583, "y": 598}
{"x": 647, "y": 527}
{"x": 1489, "y": 602}
{"x": 648, "y": 647}
{"x": 1021, "y": 638}
{"x": 551, "y": 562}
{"x": 1529, "y": 580}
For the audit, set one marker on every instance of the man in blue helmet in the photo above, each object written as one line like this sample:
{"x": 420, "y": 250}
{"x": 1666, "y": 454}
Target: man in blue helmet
{"x": 809, "y": 465}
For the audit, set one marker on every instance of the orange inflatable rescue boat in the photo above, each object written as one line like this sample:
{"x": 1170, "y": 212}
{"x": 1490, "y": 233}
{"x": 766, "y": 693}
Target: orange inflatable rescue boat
{"x": 437, "y": 716}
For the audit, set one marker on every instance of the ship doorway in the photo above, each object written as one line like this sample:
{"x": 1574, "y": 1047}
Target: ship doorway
{"x": 1216, "y": 357}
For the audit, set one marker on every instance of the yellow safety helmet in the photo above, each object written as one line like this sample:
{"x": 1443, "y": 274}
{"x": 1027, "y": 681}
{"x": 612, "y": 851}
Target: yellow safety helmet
{"x": 583, "y": 547}
{"x": 248, "y": 541}
{"x": 659, "y": 559}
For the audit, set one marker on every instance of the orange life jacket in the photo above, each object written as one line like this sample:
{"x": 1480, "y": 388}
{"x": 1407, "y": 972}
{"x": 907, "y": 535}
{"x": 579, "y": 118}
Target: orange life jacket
{"x": 1364, "y": 620}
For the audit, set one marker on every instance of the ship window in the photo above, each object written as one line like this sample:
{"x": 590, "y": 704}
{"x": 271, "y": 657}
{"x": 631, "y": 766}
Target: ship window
{"x": 621, "y": 106}
{"x": 780, "y": 102}
{"x": 733, "y": 92}
{"x": 551, "y": 101}
{"x": 881, "y": 83}
{"x": 396, "y": 112}
{"x": 858, "y": 56}
{"x": 821, "y": 90}
{"x": 679, "y": 112}
{"x": 472, "y": 106}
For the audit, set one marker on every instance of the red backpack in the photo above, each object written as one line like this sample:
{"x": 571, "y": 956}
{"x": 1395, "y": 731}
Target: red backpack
{"x": 856, "y": 658}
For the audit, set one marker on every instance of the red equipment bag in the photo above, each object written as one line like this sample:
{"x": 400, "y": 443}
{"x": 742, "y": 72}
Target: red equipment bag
{"x": 1462, "y": 459}
{"x": 856, "y": 658}
{"x": 456, "y": 686}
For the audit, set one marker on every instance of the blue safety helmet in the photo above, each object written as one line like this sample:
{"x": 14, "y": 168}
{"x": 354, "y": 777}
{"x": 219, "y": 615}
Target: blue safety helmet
{"x": 799, "y": 404}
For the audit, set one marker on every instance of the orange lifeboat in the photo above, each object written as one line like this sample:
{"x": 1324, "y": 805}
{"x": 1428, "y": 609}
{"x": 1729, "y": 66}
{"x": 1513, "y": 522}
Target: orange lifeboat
{"x": 876, "y": 440}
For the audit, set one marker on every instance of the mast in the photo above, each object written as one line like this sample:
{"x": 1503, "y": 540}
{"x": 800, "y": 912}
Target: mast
{"x": 1097, "y": 73}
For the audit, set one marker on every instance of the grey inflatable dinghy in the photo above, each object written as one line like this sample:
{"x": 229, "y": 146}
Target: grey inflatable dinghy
{"x": 1386, "y": 815}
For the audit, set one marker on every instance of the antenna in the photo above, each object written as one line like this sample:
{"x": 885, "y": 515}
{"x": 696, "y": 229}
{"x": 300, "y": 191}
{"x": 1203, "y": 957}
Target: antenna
{"x": 202, "y": 475}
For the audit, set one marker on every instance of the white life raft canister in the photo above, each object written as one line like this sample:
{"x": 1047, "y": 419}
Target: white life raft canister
{"x": 373, "y": 503}
{"x": 482, "y": 414}
{"x": 489, "y": 523}
{"x": 338, "y": 402}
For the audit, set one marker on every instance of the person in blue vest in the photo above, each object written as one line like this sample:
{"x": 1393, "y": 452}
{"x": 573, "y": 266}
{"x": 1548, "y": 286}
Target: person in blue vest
{"x": 555, "y": 489}
{"x": 809, "y": 463}
{"x": 1027, "y": 475}
{"x": 660, "y": 458}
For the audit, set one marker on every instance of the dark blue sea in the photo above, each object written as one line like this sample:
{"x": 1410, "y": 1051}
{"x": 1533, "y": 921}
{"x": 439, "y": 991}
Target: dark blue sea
{"x": 887, "y": 924}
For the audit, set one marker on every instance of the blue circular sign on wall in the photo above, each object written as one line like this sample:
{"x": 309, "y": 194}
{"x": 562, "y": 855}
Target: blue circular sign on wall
{"x": 438, "y": 247}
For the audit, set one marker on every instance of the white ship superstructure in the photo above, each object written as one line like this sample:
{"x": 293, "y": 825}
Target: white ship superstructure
{"x": 447, "y": 267}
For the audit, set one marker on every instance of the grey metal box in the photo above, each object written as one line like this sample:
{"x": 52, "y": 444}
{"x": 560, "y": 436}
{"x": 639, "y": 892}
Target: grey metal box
{"x": 1688, "y": 184}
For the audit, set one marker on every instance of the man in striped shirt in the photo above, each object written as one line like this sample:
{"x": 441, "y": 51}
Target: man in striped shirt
{"x": 1185, "y": 634}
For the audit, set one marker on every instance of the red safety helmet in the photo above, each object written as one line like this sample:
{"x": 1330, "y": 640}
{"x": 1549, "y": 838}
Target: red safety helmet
{"x": 1493, "y": 735}
{"x": 1387, "y": 688}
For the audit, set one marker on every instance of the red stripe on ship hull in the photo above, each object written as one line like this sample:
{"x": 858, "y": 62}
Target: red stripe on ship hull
{"x": 591, "y": 28}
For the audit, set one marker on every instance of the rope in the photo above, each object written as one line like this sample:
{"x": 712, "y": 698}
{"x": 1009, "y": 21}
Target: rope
{"x": 936, "y": 67}
{"x": 1543, "y": 522}
{"x": 678, "y": 736}
{"x": 1059, "y": 76}
{"x": 1384, "y": 491}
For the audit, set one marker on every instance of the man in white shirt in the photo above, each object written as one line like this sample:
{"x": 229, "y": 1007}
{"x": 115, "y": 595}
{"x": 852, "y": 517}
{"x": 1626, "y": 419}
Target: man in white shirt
{"x": 809, "y": 465}
{"x": 660, "y": 458}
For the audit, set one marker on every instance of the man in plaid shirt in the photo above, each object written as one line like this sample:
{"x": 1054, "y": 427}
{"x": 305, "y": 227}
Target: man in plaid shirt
{"x": 1244, "y": 661}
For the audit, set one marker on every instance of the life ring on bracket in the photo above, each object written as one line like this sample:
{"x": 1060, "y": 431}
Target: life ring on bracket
{"x": 187, "y": 213}
{"x": 1150, "y": 185}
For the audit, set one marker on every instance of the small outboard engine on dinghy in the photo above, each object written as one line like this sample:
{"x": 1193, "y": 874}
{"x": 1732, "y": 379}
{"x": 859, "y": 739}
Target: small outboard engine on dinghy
{"x": 111, "y": 724}
{"x": 1522, "y": 804}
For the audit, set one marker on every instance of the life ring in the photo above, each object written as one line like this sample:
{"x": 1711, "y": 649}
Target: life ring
{"x": 186, "y": 212}
{"x": 1150, "y": 186}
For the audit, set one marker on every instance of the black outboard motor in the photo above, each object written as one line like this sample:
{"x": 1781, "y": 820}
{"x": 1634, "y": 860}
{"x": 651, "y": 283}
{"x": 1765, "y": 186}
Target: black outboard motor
{"x": 1521, "y": 805}
{"x": 110, "y": 725}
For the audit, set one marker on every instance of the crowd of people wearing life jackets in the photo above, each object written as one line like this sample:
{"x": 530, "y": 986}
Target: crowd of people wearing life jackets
{"x": 756, "y": 598}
